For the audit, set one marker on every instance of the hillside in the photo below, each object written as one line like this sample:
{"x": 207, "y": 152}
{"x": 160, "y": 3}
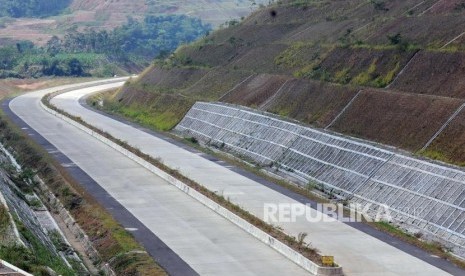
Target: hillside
{"x": 99, "y": 15}
{"x": 387, "y": 71}
{"x": 32, "y": 8}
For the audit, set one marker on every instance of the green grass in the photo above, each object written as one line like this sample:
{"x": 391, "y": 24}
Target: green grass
{"x": 342, "y": 76}
{"x": 35, "y": 258}
{"x": 291, "y": 57}
{"x": 158, "y": 120}
{"x": 433, "y": 247}
{"x": 161, "y": 112}
{"x": 440, "y": 156}
{"x": 388, "y": 78}
{"x": 4, "y": 219}
{"x": 366, "y": 77}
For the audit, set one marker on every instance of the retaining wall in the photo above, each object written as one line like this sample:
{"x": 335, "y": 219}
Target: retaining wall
{"x": 421, "y": 195}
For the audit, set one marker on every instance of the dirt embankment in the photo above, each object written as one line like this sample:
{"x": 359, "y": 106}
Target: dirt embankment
{"x": 363, "y": 66}
{"x": 176, "y": 78}
{"x": 312, "y": 102}
{"x": 450, "y": 145}
{"x": 308, "y": 60}
{"x": 400, "y": 119}
{"x": 435, "y": 73}
{"x": 256, "y": 90}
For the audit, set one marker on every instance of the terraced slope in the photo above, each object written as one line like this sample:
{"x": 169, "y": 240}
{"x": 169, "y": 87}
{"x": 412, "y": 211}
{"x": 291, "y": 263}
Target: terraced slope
{"x": 309, "y": 60}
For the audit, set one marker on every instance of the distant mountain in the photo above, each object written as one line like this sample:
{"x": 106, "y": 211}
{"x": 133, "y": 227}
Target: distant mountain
{"x": 97, "y": 14}
{"x": 32, "y": 8}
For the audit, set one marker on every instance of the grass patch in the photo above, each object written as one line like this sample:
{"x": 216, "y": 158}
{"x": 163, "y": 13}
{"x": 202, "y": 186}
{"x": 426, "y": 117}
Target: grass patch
{"x": 389, "y": 77}
{"x": 163, "y": 113}
{"x": 4, "y": 218}
{"x": 36, "y": 258}
{"x": 342, "y": 76}
{"x": 432, "y": 247}
{"x": 366, "y": 77}
{"x": 440, "y": 156}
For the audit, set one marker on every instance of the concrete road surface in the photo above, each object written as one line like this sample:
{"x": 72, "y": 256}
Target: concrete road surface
{"x": 208, "y": 243}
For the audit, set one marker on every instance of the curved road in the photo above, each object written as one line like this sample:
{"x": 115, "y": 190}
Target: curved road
{"x": 196, "y": 239}
{"x": 358, "y": 252}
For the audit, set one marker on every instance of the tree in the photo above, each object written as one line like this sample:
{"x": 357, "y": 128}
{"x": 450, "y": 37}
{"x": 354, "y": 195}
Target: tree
{"x": 8, "y": 56}
{"x": 75, "y": 68}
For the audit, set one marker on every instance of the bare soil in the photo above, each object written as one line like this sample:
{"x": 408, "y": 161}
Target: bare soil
{"x": 256, "y": 91}
{"x": 400, "y": 119}
{"x": 312, "y": 102}
{"x": 435, "y": 73}
{"x": 176, "y": 78}
{"x": 450, "y": 145}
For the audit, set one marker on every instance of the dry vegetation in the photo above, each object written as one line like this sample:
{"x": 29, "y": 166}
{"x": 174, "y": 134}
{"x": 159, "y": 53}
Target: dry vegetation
{"x": 404, "y": 120}
{"x": 313, "y": 102}
{"x": 436, "y": 73}
{"x": 450, "y": 145}
{"x": 256, "y": 90}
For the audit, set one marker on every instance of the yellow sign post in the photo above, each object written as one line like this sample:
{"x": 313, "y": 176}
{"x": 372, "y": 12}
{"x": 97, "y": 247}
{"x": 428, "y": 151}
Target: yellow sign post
{"x": 327, "y": 260}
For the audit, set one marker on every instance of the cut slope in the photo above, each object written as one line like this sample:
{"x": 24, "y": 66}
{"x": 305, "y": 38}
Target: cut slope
{"x": 436, "y": 73}
{"x": 308, "y": 59}
{"x": 312, "y": 102}
{"x": 404, "y": 120}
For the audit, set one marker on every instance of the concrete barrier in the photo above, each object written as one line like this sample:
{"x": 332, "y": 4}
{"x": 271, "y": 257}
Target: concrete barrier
{"x": 9, "y": 269}
{"x": 285, "y": 250}
{"x": 56, "y": 206}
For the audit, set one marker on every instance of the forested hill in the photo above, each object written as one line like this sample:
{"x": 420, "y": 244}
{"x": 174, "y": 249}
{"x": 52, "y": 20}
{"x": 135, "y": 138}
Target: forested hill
{"x": 32, "y": 20}
{"x": 101, "y": 53}
{"x": 102, "y": 38}
{"x": 32, "y": 8}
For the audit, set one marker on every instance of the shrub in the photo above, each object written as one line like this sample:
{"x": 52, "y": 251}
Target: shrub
{"x": 379, "y": 5}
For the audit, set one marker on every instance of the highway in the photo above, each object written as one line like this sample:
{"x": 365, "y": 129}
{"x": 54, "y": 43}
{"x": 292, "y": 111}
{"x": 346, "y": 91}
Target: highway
{"x": 198, "y": 240}
{"x": 164, "y": 210}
